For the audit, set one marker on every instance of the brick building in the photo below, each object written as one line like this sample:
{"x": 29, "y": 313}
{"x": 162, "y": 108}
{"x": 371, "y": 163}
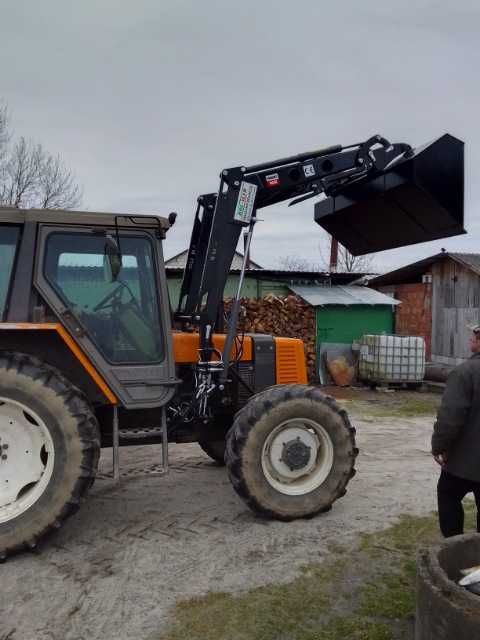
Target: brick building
{"x": 440, "y": 297}
{"x": 414, "y": 315}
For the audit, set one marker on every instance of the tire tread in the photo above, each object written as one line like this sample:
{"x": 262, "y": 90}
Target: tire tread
{"x": 248, "y": 416}
{"x": 88, "y": 432}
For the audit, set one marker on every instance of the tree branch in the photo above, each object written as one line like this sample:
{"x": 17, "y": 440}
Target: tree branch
{"x": 32, "y": 178}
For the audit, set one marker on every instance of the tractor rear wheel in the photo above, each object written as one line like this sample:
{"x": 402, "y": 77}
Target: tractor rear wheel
{"x": 50, "y": 446}
{"x": 215, "y": 449}
{"x": 291, "y": 452}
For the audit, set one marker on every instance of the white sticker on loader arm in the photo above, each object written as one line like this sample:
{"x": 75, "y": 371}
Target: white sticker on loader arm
{"x": 245, "y": 202}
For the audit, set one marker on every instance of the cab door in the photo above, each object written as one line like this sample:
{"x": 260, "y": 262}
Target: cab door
{"x": 122, "y": 323}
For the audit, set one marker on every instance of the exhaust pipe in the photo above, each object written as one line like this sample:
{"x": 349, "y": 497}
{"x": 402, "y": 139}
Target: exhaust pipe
{"x": 415, "y": 199}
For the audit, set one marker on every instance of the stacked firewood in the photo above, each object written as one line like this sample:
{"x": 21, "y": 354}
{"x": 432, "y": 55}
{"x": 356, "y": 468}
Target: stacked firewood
{"x": 289, "y": 317}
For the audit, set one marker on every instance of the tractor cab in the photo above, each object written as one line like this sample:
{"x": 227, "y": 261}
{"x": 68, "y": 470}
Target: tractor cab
{"x": 102, "y": 278}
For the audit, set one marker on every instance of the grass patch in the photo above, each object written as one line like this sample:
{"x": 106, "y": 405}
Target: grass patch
{"x": 404, "y": 537}
{"x": 260, "y": 613}
{"x": 367, "y": 593}
{"x": 354, "y": 628}
{"x": 391, "y": 597}
{"x": 399, "y": 404}
{"x": 408, "y": 408}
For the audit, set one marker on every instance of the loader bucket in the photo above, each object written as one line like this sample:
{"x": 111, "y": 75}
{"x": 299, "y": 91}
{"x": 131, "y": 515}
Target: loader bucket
{"x": 415, "y": 200}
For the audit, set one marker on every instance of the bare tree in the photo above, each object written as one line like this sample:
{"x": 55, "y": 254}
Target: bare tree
{"x": 346, "y": 262}
{"x": 349, "y": 263}
{"x": 4, "y": 133}
{"x": 32, "y": 178}
{"x": 22, "y": 171}
{"x": 58, "y": 189}
{"x": 4, "y": 141}
{"x": 294, "y": 263}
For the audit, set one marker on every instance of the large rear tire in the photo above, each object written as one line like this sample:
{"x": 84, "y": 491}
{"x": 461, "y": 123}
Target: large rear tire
{"x": 49, "y": 450}
{"x": 291, "y": 452}
{"x": 215, "y": 449}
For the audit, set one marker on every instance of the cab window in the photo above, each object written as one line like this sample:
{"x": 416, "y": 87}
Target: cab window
{"x": 8, "y": 246}
{"x": 120, "y": 314}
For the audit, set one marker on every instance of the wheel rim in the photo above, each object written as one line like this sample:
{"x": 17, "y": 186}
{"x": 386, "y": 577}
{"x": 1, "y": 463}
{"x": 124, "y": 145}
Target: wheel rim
{"x": 26, "y": 458}
{"x": 297, "y": 456}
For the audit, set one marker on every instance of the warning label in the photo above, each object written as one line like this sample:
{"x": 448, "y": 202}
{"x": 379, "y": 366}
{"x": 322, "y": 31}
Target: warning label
{"x": 272, "y": 180}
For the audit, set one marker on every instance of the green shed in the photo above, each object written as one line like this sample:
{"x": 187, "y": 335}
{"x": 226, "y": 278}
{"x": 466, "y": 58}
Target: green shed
{"x": 343, "y": 314}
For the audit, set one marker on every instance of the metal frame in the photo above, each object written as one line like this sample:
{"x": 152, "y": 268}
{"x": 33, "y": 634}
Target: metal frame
{"x": 362, "y": 173}
{"x": 301, "y": 176}
{"x": 18, "y": 302}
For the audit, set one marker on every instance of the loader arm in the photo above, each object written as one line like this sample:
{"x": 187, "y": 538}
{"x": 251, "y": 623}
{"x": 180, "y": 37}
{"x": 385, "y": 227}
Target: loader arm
{"x": 421, "y": 188}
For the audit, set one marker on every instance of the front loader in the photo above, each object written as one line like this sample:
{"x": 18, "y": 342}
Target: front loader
{"x": 92, "y": 356}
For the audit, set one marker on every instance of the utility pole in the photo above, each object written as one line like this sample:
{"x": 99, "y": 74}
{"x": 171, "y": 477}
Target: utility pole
{"x": 333, "y": 255}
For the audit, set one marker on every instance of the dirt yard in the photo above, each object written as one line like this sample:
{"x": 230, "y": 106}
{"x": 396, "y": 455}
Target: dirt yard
{"x": 117, "y": 568}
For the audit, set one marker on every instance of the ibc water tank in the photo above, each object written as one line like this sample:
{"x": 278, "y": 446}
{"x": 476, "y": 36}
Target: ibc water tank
{"x": 392, "y": 359}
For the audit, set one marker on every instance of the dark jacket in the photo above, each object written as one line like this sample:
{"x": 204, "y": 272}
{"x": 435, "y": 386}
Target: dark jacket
{"x": 457, "y": 429}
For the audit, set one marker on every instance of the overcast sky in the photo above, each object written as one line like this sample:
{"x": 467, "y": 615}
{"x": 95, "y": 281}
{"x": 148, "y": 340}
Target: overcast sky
{"x": 148, "y": 100}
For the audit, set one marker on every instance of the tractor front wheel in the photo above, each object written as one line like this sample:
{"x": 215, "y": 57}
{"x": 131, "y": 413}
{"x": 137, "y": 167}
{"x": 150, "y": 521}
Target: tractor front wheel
{"x": 291, "y": 452}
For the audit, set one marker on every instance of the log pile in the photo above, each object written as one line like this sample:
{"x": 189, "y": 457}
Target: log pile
{"x": 290, "y": 317}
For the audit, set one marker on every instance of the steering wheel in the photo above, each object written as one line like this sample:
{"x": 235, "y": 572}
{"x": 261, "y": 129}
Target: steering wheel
{"x": 115, "y": 297}
{"x": 112, "y": 297}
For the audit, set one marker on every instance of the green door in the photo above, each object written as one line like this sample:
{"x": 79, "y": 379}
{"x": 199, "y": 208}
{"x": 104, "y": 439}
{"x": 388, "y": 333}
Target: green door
{"x": 342, "y": 324}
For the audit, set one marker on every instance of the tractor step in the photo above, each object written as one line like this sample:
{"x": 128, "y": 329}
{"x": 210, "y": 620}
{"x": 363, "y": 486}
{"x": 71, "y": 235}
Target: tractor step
{"x": 150, "y": 470}
{"x": 140, "y": 435}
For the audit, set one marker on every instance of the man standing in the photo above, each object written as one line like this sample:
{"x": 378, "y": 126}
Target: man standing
{"x": 456, "y": 441}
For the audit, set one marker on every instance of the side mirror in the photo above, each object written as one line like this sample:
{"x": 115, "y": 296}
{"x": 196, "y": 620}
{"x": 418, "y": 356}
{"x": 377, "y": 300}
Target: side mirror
{"x": 112, "y": 260}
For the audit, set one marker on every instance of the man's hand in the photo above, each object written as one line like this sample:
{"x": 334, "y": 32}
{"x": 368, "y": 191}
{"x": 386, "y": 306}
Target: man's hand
{"x": 440, "y": 459}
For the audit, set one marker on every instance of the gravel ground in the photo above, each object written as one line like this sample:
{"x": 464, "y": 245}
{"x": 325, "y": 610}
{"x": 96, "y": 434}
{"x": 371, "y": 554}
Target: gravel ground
{"x": 117, "y": 567}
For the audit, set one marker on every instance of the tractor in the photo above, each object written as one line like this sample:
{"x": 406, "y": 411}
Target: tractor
{"x": 92, "y": 355}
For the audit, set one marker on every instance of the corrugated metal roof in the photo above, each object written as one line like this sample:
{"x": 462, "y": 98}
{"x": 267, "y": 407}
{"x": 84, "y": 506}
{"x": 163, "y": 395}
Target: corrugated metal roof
{"x": 179, "y": 260}
{"x": 319, "y": 296}
{"x": 285, "y": 277}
